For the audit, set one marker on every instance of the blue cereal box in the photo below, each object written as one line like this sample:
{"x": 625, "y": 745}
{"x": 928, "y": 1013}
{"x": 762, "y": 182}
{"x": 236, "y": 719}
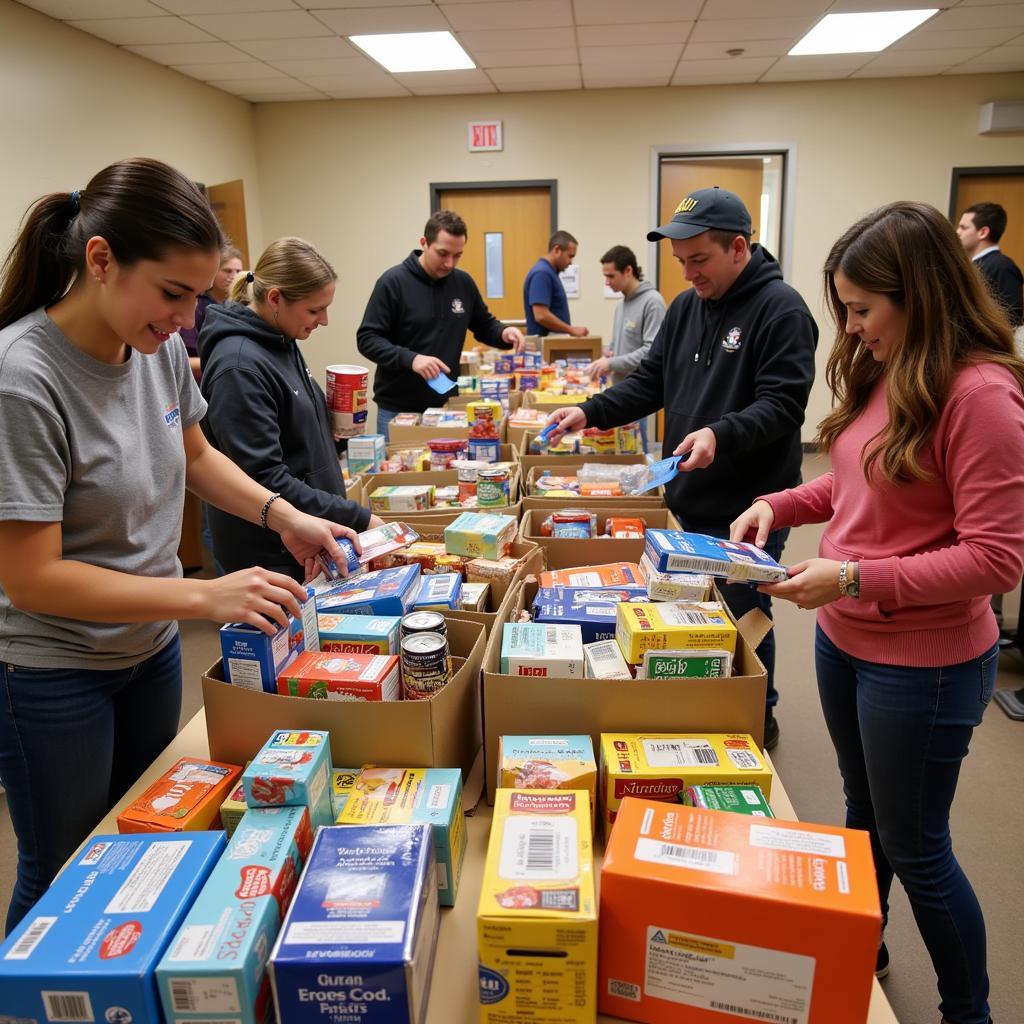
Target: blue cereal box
{"x": 253, "y": 660}
{"x": 357, "y": 946}
{"x": 88, "y": 950}
{"x": 441, "y": 591}
{"x": 293, "y": 769}
{"x": 359, "y": 634}
{"x": 593, "y": 610}
{"x": 676, "y": 551}
{"x": 385, "y": 592}
{"x": 404, "y": 796}
{"x": 215, "y": 967}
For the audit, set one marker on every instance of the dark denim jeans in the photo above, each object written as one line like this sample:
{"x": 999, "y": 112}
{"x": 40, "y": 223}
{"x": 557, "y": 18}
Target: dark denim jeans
{"x": 900, "y": 735}
{"x": 72, "y": 742}
{"x": 384, "y": 417}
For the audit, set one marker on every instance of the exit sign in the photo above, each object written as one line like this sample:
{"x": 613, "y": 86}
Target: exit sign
{"x": 484, "y": 136}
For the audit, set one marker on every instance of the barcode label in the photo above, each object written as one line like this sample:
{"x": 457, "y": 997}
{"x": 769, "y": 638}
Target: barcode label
{"x": 181, "y": 996}
{"x": 676, "y": 615}
{"x": 719, "y": 862}
{"x": 779, "y": 1018}
{"x": 34, "y": 934}
{"x": 540, "y": 852}
{"x": 680, "y": 754}
{"x": 67, "y": 1006}
{"x": 624, "y": 989}
{"x": 541, "y": 849}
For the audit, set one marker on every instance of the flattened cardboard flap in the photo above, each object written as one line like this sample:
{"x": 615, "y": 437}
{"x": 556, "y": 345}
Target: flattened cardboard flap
{"x": 754, "y": 626}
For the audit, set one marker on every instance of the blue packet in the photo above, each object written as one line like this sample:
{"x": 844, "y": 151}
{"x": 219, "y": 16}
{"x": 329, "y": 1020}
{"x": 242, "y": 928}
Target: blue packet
{"x": 662, "y": 472}
{"x": 442, "y": 383}
{"x": 545, "y": 435}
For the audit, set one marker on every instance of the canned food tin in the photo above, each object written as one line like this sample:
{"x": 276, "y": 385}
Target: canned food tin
{"x": 425, "y": 665}
{"x": 493, "y": 489}
{"x": 444, "y": 451}
{"x": 422, "y": 622}
{"x": 484, "y": 449}
{"x": 346, "y": 399}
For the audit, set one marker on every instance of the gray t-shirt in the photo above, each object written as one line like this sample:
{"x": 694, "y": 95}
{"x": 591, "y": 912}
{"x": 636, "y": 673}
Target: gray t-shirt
{"x": 97, "y": 448}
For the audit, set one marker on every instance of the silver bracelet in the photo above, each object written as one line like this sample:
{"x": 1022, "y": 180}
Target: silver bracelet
{"x": 844, "y": 579}
{"x": 266, "y": 509}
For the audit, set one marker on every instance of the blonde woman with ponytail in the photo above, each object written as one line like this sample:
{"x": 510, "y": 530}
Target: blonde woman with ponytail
{"x": 923, "y": 513}
{"x": 266, "y": 411}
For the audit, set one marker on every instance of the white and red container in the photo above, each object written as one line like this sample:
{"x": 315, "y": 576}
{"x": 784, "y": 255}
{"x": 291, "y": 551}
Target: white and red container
{"x": 346, "y": 399}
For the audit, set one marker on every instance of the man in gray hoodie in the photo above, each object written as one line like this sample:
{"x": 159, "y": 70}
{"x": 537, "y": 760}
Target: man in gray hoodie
{"x": 637, "y": 319}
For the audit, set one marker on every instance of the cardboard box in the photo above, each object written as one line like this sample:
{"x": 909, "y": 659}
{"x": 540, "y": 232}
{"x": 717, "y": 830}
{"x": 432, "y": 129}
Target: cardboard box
{"x": 432, "y": 478}
{"x": 416, "y": 796}
{"x": 443, "y": 732}
{"x": 533, "y": 467}
{"x": 88, "y": 950}
{"x": 360, "y": 935}
{"x": 537, "y": 916}
{"x": 331, "y": 675}
{"x": 660, "y": 766}
{"x": 566, "y": 552}
{"x": 562, "y": 346}
{"x": 216, "y": 963}
{"x": 186, "y": 798}
{"x": 410, "y": 435}
{"x": 717, "y": 918}
{"x": 695, "y": 626}
{"x": 533, "y": 649}
{"x": 519, "y": 706}
{"x": 548, "y": 762}
{"x": 292, "y": 769}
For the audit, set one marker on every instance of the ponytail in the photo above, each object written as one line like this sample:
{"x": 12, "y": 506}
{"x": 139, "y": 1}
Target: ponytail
{"x": 241, "y": 289}
{"x": 291, "y": 265}
{"x": 142, "y": 208}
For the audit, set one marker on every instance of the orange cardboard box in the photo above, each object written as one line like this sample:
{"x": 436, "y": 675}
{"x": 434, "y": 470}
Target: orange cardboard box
{"x": 710, "y": 918}
{"x": 186, "y": 798}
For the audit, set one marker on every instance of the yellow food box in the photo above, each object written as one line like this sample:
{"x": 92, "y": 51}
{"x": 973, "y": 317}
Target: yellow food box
{"x": 548, "y": 762}
{"x": 343, "y": 785}
{"x": 659, "y": 766}
{"x": 537, "y": 917}
{"x": 689, "y": 625}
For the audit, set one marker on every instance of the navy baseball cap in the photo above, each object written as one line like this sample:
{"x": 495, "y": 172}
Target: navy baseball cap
{"x": 707, "y": 209}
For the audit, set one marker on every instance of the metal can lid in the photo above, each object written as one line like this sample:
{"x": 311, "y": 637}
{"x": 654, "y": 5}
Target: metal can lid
{"x": 424, "y": 643}
{"x": 424, "y": 622}
{"x": 493, "y": 474}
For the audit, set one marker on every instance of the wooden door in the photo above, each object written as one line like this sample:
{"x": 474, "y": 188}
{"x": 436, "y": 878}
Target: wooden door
{"x": 1005, "y": 189}
{"x": 522, "y": 217}
{"x": 228, "y": 202}
{"x": 742, "y": 175}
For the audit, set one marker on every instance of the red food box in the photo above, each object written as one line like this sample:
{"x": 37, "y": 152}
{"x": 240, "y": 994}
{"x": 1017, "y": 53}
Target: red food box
{"x": 334, "y": 675}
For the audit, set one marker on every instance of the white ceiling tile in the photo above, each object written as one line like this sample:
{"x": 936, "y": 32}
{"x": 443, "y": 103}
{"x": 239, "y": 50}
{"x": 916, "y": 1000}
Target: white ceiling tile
{"x": 633, "y": 55}
{"x": 226, "y": 6}
{"x": 367, "y": 21}
{"x": 519, "y": 39}
{"x": 882, "y": 71}
{"x": 137, "y": 31}
{"x": 258, "y": 96}
{"x": 714, "y": 10}
{"x": 715, "y": 78}
{"x": 802, "y": 76}
{"x": 750, "y": 47}
{"x": 453, "y": 90}
{"x": 614, "y": 12}
{"x": 970, "y": 68}
{"x": 320, "y": 48}
{"x": 426, "y": 79}
{"x": 741, "y": 69}
{"x": 190, "y": 53}
{"x": 929, "y": 40}
{"x": 270, "y": 25}
{"x": 750, "y": 28}
{"x": 618, "y": 78}
{"x": 511, "y": 79}
{"x": 632, "y": 35}
{"x": 1000, "y": 56}
{"x": 514, "y": 14}
{"x": 252, "y": 69}
{"x": 279, "y": 86}
{"x": 333, "y": 5}
{"x": 323, "y": 68}
{"x": 927, "y": 58}
{"x": 362, "y": 90}
{"x": 861, "y": 6}
{"x": 841, "y": 63}
{"x": 526, "y": 58}
{"x": 68, "y": 10}
{"x": 1004, "y": 16}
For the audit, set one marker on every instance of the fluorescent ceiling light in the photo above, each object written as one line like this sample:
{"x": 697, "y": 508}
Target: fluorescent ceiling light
{"x": 859, "y": 33}
{"x": 415, "y": 51}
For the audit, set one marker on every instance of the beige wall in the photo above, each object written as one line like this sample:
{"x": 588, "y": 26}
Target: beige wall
{"x": 353, "y": 176}
{"x": 70, "y": 104}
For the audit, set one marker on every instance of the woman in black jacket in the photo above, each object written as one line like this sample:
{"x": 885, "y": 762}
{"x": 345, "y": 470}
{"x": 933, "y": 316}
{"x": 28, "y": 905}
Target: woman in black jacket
{"x": 265, "y": 409}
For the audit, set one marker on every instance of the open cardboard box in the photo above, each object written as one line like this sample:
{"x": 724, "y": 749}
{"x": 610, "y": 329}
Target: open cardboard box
{"x": 443, "y": 732}
{"x": 461, "y": 400}
{"x": 527, "y": 706}
{"x": 567, "y": 552}
{"x": 439, "y": 518}
{"x": 408, "y": 436}
{"x": 562, "y": 346}
{"x": 439, "y": 478}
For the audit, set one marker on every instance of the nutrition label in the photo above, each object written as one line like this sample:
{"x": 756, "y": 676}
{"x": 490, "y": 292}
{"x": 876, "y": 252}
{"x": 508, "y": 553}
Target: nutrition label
{"x": 142, "y": 888}
{"x": 747, "y": 981}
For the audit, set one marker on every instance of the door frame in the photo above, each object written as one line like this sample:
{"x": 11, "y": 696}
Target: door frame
{"x": 786, "y": 149}
{"x": 551, "y": 184}
{"x": 975, "y": 172}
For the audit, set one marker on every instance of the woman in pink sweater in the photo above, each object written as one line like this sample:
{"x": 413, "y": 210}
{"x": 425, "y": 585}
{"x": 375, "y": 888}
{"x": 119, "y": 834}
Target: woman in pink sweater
{"x": 923, "y": 507}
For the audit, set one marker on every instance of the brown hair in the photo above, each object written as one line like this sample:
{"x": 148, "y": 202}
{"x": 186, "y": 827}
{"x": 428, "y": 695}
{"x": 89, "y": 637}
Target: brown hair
{"x": 991, "y": 216}
{"x": 290, "y": 265}
{"x": 622, "y": 256}
{"x": 229, "y": 252}
{"x": 910, "y": 253}
{"x": 444, "y": 220}
{"x": 562, "y": 239}
{"x": 143, "y": 208}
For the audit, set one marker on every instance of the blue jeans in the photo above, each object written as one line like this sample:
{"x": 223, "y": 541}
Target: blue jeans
{"x": 741, "y": 598}
{"x": 900, "y": 735}
{"x": 384, "y": 417}
{"x": 72, "y": 742}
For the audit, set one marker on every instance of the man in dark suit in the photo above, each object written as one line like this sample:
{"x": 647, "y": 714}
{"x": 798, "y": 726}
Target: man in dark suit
{"x": 980, "y": 228}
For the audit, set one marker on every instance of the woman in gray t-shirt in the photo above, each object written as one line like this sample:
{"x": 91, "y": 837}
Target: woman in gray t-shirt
{"x": 99, "y": 437}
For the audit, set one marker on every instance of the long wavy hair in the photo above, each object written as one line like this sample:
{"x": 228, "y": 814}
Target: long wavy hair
{"x": 910, "y": 253}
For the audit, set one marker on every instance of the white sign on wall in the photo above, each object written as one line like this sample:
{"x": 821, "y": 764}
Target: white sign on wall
{"x": 484, "y": 136}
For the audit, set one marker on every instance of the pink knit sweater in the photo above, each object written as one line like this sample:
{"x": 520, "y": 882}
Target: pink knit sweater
{"x": 930, "y": 553}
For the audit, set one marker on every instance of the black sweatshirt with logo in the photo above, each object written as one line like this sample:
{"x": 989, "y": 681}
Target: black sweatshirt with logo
{"x": 742, "y": 365}
{"x": 411, "y": 314}
{"x": 268, "y": 414}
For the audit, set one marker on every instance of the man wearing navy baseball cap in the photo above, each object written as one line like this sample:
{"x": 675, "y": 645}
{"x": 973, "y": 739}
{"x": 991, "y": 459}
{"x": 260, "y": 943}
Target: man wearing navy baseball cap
{"x": 732, "y": 367}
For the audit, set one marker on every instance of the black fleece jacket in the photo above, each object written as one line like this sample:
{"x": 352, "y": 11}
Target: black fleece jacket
{"x": 268, "y": 414}
{"x": 742, "y": 365}
{"x": 411, "y": 314}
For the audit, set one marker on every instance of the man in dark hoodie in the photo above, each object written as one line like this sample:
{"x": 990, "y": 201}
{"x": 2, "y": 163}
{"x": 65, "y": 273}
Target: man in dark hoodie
{"x": 417, "y": 317}
{"x": 732, "y": 366}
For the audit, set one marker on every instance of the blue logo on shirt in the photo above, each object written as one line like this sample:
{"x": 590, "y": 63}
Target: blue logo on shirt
{"x": 172, "y": 415}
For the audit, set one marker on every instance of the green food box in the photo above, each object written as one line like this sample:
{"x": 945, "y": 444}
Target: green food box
{"x": 739, "y": 799}
{"x": 686, "y": 664}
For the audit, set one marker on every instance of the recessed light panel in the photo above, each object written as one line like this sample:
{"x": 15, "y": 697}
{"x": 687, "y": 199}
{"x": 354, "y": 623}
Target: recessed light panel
{"x": 859, "y": 33}
{"x": 415, "y": 51}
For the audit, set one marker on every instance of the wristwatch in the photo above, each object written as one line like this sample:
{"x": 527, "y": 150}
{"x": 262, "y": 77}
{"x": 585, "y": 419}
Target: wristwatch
{"x": 849, "y": 579}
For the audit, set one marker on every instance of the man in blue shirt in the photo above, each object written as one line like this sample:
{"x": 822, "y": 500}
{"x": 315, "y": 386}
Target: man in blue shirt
{"x": 547, "y": 308}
